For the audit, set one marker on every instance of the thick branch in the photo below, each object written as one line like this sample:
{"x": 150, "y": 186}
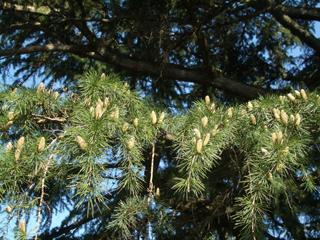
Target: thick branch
{"x": 58, "y": 231}
{"x": 281, "y": 14}
{"x": 304, "y": 35}
{"x": 19, "y": 26}
{"x": 301, "y": 13}
{"x": 173, "y": 71}
{"x": 170, "y": 71}
{"x": 45, "y": 48}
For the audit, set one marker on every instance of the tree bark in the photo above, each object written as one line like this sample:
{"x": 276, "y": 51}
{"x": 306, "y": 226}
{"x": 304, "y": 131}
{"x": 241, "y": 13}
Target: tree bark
{"x": 301, "y": 13}
{"x": 177, "y": 72}
{"x": 304, "y": 35}
{"x": 169, "y": 71}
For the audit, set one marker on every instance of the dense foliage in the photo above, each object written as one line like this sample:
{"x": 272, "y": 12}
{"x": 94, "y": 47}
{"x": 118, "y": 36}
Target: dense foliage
{"x": 196, "y": 132}
{"x": 130, "y": 169}
{"x": 177, "y": 51}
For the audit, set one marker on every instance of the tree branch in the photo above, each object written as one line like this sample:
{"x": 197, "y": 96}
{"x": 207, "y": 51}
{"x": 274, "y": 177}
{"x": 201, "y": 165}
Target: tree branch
{"x": 82, "y": 25}
{"x": 300, "y": 13}
{"x": 58, "y": 231}
{"x": 65, "y": 229}
{"x": 42, "y": 10}
{"x": 45, "y": 48}
{"x": 171, "y": 71}
{"x": 43, "y": 118}
{"x": 281, "y": 14}
{"x": 19, "y": 26}
{"x": 304, "y": 35}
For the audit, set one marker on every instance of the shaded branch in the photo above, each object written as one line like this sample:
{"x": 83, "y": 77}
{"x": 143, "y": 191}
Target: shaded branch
{"x": 282, "y": 15}
{"x": 173, "y": 71}
{"x": 39, "y": 215}
{"x": 300, "y": 12}
{"x": 45, "y": 48}
{"x": 42, "y": 10}
{"x": 20, "y": 26}
{"x": 42, "y": 119}
{"x": 170, "y": 71}
{"x": 62, "y": 230}
{"x": 59, "y": 231}
{"x": 82, "y": 25}
{"x": 304, "y": 35}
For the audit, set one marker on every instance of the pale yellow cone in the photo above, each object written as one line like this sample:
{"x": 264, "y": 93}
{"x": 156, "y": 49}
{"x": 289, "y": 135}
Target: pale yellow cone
{"x": 82, "y": 143}
{"x": 41, "y": 144}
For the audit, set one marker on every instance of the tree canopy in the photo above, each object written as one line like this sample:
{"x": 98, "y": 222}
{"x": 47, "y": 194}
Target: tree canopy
{"x": 205, "y": 125}
{"x": 239, "y": 47}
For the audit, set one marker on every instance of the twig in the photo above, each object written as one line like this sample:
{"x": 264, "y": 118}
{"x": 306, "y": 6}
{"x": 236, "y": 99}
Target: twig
{"x": 53, "y": 119}
{"x": 253, "y": 215}
{"x": 46, "y": 167}
{"x": 39, "y": 216}
{"x": 150, "y": 188}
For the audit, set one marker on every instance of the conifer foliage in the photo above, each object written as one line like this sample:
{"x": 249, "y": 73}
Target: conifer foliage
{"x": 132, "y": 169}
